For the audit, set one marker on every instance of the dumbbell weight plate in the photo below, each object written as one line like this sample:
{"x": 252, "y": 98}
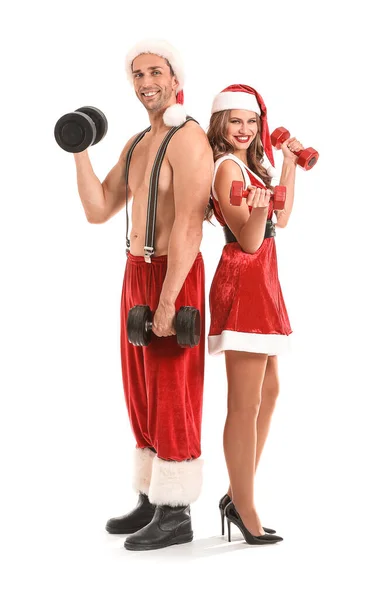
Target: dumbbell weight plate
{"x": 307, "y": 158}
{"x": 279, "y": 136}
{"x": 74, "y": 132}
{"x": 98, "y": 118}
{"x": 139, "y": 325}
{"x": 236, "y": 193}
{"x": 188, "y": 326}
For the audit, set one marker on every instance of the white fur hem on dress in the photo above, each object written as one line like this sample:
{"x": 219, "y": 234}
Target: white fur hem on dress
{"x": 260, "y": 343}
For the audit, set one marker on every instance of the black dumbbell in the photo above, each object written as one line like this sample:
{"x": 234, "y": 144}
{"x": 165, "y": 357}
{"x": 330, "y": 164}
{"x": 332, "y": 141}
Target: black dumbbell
{"x": 187, "y": 326}
{"x": 76, "y": 131}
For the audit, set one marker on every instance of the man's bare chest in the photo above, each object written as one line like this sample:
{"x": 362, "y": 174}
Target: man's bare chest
{"x": 141, "y": 168}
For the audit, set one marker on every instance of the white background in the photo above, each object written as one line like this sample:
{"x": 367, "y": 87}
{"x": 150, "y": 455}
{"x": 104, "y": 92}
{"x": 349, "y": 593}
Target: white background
{"x": 65, "y": 439}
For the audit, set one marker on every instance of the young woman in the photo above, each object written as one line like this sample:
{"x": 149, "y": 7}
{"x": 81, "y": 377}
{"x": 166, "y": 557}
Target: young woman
{"x": 249, "y": 322}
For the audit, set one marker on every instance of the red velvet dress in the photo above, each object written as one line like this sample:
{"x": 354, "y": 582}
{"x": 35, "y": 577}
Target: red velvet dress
{"x": 248, "y": 312}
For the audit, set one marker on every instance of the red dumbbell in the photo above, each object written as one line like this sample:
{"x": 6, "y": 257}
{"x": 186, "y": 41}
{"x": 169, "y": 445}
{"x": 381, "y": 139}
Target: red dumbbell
{"x": 237, "y": 193}
{"x": 306, "y": 158}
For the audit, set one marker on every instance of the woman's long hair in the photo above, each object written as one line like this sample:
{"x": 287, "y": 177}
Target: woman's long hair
{"x": 220, "y": 146}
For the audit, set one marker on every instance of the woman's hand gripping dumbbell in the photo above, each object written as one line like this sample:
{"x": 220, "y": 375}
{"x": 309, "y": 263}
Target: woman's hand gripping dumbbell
{"x": 237, "y": 193}
{"x": 307, "y": 157}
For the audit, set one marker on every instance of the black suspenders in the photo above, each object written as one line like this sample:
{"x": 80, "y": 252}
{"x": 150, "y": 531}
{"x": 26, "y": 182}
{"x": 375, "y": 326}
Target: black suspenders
{"x": 149, "y": 248}
{"x": 128, "y": 160}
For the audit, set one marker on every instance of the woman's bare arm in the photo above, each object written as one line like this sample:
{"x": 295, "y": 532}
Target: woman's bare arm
{"x": 248, "y": 228}
{"x": 288, "y": 179}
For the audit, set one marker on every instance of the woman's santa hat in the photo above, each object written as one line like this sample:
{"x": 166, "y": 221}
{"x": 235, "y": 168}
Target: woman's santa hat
{"x": 174, "y": 115}
{"x": 244, "y": 97}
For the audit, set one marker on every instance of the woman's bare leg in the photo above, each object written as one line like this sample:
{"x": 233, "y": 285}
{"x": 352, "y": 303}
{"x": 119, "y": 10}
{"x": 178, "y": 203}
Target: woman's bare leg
{"x": 270, "y": 391}
{"x": 245, "y": 375}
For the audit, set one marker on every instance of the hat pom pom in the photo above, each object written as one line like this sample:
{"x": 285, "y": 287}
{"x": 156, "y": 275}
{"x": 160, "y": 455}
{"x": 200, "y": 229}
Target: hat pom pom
{"x": 174, "y": 115}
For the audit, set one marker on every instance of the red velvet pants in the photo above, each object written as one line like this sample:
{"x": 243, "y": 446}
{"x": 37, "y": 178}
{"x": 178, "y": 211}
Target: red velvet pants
{"x": 163, "y": 383}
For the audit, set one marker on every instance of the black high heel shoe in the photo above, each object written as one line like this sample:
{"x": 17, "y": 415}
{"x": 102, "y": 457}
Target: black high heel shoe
{"x": 223, "y": 502}
{"x": 233, "y": 516}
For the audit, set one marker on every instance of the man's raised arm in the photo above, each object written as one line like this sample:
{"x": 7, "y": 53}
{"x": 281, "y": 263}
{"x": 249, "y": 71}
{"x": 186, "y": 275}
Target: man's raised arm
{"x": 101, "y": 201}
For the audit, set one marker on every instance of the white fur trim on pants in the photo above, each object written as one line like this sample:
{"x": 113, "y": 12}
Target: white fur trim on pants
{"x": 143, "y": 460}
{"x": 175, "y": 483}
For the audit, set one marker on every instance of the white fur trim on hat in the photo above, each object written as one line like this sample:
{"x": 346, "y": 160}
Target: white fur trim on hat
{"x": 143, "y": 460}
{"x": 160, "y": 48}
{"x": 235, "y": 100}
{"x": 174, "y": 115}
{"x": 175, "y": 483}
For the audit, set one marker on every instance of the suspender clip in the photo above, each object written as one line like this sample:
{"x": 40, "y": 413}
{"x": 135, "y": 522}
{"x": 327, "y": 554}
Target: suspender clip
{"x": 148, "y": 252}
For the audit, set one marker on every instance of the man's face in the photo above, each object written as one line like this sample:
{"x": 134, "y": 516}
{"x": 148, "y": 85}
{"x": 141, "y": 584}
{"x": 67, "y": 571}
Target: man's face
{"x": 153, "y": 82}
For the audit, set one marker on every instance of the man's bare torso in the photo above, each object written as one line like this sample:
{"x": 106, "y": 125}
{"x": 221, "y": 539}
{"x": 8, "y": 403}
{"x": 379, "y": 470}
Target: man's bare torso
{"x": 139, "y": 175}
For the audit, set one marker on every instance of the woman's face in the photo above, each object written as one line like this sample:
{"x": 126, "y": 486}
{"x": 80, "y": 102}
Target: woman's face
{"x": 242, "y": 127}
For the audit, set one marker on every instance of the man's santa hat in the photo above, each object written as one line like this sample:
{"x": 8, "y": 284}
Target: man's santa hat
{"x": 174, "y": 115}
{"x": 244, "y": 97}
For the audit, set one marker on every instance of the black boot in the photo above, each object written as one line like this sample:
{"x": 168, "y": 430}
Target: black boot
{"x": 134, "y": 520}
{"x": 170, "y": 525}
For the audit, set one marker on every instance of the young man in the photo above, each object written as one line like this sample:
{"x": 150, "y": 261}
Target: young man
{"x": 163, "y": 382}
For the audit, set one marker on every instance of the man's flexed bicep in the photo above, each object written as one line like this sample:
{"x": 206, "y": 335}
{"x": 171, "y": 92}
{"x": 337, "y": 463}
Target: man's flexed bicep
{"x": 191, "y": 160}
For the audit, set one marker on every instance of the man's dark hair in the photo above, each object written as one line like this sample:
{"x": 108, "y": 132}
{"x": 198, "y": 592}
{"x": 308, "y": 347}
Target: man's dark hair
{"x": 171, "y": 69}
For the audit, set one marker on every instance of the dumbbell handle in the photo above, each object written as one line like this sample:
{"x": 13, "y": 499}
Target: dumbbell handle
{"x": 148, "y": 325}
{"x": 245, "y": 193}
{"x": 278, "y": 196}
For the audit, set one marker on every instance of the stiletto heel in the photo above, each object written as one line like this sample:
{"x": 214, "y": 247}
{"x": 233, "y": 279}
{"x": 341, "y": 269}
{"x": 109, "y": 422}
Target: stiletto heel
{"x": 233, "y": 516}
{"x": 225, "y": 501}
{"x": 229, "y": 530}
